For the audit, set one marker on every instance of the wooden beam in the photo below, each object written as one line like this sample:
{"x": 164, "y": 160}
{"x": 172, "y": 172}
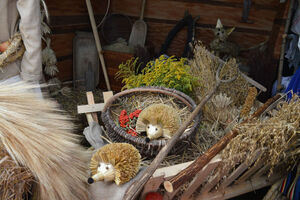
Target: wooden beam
{"x": 251, "y": 171}
{"x": 152, "y": 185}
{"x": 201, "y": 177}
{"x": 90, "y": 108}
{"x": 171, "y": 170}
{"x": 237, "y": 172}
{"x": 236, "y": 190}
{"x": 107, "y": 95}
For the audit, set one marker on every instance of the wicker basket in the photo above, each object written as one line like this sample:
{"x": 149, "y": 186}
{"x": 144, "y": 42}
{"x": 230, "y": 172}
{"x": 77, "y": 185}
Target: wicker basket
{"x": 151, "y": 148}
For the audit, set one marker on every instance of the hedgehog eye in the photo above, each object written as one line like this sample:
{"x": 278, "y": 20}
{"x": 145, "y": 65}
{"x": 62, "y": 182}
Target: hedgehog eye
{"x": 99, "y": 164}
{"x": 156, "y": 129}
{"x": 148, "y": 127}
{"x": 107, "y": 168}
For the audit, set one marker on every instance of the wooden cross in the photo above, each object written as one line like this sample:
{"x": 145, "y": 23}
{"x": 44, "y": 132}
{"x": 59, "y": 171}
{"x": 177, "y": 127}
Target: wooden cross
{"x": 91, "y": 109}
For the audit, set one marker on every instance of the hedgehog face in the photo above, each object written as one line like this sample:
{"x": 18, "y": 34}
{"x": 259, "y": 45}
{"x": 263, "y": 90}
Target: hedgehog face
{"x": 154, "y": 131}
{"x": 105, "y": 171}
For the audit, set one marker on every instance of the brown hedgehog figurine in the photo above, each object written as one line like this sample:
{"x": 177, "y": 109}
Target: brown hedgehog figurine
{"x": 158, "y": 120}
{"x": 119, "y": 162}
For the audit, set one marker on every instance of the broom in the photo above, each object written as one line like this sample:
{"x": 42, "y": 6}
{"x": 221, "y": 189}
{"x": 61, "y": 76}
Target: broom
{"x": 37, "y": 135}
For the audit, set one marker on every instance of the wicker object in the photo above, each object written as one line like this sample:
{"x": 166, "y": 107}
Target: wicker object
{"x": 151, "y": 148}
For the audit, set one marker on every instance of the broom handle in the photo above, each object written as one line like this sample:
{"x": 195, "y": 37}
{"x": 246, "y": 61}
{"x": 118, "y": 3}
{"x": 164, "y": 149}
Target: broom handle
{"x": 98, "y": 44}
{"x": 143, "y": 9}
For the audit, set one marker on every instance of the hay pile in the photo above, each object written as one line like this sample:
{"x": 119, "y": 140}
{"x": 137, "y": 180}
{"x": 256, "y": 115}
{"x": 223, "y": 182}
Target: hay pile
{"x": 278, "y": 135}
{"x": 204, "y": 65}
{"x": 15, "y": 181}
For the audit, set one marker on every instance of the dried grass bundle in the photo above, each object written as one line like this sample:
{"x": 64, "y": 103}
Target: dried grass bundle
{"x": 204, "y": 65}
{"x": 37, "y": 135}
{"x": 15, "y": 181}
{"x": 277, "y": 135}
{"x": 224, "y": 111}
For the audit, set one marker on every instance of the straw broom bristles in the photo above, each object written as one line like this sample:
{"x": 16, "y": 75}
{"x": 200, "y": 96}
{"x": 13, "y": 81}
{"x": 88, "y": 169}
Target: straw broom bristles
{"x": 37, "y": 135}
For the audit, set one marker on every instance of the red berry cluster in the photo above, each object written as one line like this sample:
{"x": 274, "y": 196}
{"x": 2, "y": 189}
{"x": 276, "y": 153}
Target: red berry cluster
{"x": 129, "y": 123}
{"x": 123, "y": 119}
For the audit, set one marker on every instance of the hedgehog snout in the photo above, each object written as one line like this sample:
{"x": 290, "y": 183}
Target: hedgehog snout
{"x": 105, "y": 171}
{"x": 154, "y": 131}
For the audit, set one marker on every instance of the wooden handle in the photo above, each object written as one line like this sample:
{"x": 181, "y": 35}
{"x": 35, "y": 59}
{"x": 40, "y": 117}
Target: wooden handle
{"x": 281, "y": 60}
{"x": 97, "y": 40}
{"x": 143, "y": 9}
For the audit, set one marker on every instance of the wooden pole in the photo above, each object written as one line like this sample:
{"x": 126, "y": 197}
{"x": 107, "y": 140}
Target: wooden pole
{"x": 190, "y": 172}
{"x": 286, "y": 28}
{"x": 97, "y": 40}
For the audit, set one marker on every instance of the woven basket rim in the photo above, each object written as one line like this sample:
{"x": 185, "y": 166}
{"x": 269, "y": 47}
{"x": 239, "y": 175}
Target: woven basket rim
{"x": 188, "y": 101}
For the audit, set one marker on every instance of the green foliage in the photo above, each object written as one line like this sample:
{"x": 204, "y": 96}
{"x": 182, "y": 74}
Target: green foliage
{"x": 165, "y": 72}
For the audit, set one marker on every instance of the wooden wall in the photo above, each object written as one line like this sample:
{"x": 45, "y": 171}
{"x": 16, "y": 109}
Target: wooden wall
{"x": 67, "y": 16}
{"x": 162, "y": 15}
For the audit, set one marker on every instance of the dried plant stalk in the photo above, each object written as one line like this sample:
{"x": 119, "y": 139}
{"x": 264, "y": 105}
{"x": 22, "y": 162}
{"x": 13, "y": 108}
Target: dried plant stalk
{"x": 15, "y": 181}
{"x": 277, "y": 135}
{"x": 252, "y": 93}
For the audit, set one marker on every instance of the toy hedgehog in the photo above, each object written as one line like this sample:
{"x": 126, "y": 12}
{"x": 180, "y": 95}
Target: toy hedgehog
{"x": 118, "y": 162}
{"x": 158, "y": 120}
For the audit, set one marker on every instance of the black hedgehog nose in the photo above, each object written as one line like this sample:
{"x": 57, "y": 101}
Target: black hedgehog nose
{"x": 90, "y": 180}
{"x": 147, "y": 140}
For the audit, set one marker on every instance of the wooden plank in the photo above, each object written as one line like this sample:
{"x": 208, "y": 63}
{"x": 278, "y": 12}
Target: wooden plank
{"x": 157, "y": 33}
{"x": 237, "y": 172}
{"x": 278, "y": 42}
{"x": 200, "y": 178}
{"x": 236, "y": 190}
{"x": 171, "y": 171}
{"x": 62, "y": 44}
{"x": 107, "y": 95}
{"x": 262, "y": 171}
{"x": 255, "y": 3}
{"x": 90, "y": 108}
{"x": 230, "y": 16}
{"x": 212, "y": 182}
{"x": 250, "y": 172}
{"x": 71, "y": 7}
{"x": 152, "y": 185}
{"x": 65, "y": 70}
{"x": 91, "y": 101}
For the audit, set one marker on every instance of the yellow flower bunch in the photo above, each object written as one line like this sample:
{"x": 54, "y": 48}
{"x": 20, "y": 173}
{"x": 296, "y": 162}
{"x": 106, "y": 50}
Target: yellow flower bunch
{"x": 165, "y": 72}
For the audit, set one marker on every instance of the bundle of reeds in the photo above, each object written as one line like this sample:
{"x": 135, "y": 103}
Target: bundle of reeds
{"x": 204, "y": 65}
{"x": 37, "y": 137}
{"x": 277, "y": 136}
{"x": 16, "y": 181}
